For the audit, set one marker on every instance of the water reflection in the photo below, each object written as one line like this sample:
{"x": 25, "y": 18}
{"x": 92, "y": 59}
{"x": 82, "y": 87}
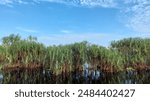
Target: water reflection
{"x": 87, "y": 76}
{"x": 90, "y": 74}
{"x": 1, "y": 78}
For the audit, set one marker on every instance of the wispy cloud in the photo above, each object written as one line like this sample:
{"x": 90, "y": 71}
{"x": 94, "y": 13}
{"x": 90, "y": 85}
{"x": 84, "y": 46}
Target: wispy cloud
{"x": 22, "y": 1}
{"x": 26, "y": 30}
{"x": 6, "y": 2}
{"x": 138, "y": 12}
{"x": 11, "y": 2}
{"x": 66, "y": 31}
{"x": 89, "y": 3}
{"x": 102, "y": 3}
{"x": 96, "y": 38}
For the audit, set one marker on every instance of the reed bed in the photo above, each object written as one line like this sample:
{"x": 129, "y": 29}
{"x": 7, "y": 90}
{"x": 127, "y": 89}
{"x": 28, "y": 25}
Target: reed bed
{"x": 28, "y": 61}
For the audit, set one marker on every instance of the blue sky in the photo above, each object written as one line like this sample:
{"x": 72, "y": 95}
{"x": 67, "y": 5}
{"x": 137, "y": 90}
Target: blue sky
{"x": 68, "y": 21}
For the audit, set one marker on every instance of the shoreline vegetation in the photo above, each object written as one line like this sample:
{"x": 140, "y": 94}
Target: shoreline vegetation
{"x": 28, "y": 61}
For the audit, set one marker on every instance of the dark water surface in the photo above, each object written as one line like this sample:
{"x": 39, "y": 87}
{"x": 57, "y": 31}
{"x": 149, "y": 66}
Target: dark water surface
{"x": 84, "y": 77}
{"x": 1, "y": 77}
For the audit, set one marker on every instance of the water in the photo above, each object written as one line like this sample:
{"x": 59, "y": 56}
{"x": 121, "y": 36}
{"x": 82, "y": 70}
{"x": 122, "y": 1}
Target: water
{"x": 83, "y": 77}
{"x": 1, "y": 78}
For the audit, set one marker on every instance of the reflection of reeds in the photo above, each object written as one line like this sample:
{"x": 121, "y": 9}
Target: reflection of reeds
{"x": 26, "y": 58}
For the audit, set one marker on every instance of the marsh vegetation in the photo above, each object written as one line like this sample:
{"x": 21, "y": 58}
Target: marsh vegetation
{"x": 28, "y": 61}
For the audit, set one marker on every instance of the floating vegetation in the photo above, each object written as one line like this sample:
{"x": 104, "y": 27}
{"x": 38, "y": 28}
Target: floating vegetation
{"x": 28, "y": 61}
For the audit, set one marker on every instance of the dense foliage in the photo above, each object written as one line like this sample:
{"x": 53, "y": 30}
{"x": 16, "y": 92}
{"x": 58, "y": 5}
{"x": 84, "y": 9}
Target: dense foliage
{"x": 136, "y": 52}
{"x": 28, "y": 55}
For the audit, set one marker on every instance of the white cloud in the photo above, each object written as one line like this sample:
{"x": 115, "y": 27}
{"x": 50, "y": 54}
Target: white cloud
{"x": 138, "y": 15}
{"x": 21, "y": 1}
{"x": 102, "y": 3}
{"x": 11, "y": 2}
{"x": 26, "y": 30}
{"x": 6, "y": 2}
{"x": 66, "y": 31}
{"x": 136, "y": 1}
{"x": 89, "y": 3}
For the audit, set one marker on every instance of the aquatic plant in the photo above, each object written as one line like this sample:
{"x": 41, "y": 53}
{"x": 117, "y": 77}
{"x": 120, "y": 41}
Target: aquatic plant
{"x": 135, "y": 50}
{"x": 27, "y": 58}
